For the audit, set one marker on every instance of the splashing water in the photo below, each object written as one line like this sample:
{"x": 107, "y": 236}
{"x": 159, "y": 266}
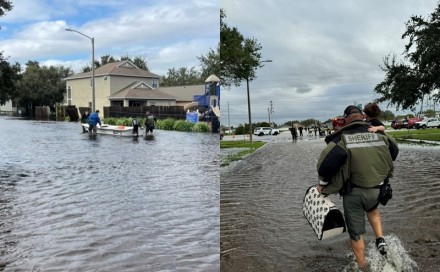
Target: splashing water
{"x": 397, "y": 259}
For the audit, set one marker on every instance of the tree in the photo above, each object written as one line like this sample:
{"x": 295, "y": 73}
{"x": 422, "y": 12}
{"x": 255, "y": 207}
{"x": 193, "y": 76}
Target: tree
{"x": 429, "y": 113}
{"x": 9, "y": 76}
{"x": 240, "y": 58}
{"x": 41, "y": 86}
{"x": 5, "y": 5}
{"x": 210, "y": 63}
{"x": 181, "y": 77}
{"x": 386, "y": 115}
{"x": 405, "y": 84}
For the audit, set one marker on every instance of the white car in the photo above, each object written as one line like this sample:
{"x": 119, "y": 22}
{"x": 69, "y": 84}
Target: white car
{"x": 260, "y": 131}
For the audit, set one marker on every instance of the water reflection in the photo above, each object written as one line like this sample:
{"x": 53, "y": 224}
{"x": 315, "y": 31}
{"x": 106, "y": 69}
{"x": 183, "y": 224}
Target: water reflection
{"x": 71, "y": 203}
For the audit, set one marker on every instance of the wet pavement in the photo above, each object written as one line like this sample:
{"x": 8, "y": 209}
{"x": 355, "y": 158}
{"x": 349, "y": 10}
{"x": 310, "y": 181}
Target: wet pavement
{"x": 263, "y": 228}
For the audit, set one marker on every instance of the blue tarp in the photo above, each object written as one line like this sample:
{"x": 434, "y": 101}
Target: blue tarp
{"x": 192, "y": 117}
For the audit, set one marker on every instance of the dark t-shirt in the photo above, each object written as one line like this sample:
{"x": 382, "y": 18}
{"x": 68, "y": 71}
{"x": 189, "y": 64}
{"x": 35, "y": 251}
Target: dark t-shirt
{"x": 375, "y": 122}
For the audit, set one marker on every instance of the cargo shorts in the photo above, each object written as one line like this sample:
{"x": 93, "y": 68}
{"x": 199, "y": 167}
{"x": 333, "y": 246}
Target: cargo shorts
{"x": 356, "y": 203}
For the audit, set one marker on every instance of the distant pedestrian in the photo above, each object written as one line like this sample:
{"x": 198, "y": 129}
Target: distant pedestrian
{"x": 135, "y": 124}
{"x": 293, "y": 132}
{"x": 150, "y": 122}
{"x": 84, "y": 120}
{"x": 300, "y": 128}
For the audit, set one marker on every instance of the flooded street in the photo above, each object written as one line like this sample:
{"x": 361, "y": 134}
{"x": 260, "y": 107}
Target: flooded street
{"x": 263, "y": 227}
{"x": 71, "y": 203}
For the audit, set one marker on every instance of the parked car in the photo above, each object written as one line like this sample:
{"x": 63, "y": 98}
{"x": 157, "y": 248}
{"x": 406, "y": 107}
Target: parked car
{"x": 260, "y": 131}
{"x": 428, "y": 123}
{"x": 405, "y": 123}
{"x": 399, "y": 124}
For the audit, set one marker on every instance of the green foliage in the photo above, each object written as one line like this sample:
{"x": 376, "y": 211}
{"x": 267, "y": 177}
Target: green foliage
{"x": 200, "y": 127}
{"x": 183, "y": 125}
{"x": 406, "y": 83}
{"x": 240, "y": 57}
{"x": 386, "y": 115}
{"x": 41, "y": 85}
{"x": 9, "y": 76}
{"x": 182, "y": 77}
{"x": 109, "y": 121}
{"x": 5, "y": 5}
{"x": 429, "y": 113}
{"x": 165, "y": 124}
{"x": 210, "y": 63}
{"x": 227, "y": 159}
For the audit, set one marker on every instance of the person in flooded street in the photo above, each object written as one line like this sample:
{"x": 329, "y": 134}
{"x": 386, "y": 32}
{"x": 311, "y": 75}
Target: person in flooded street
{"x": 84, "y": 120}
{"x": 293, "y": 132}
{"x": 150, "y": 122}
{"x": 357, "y": 163}
{"x": 135, "y": 124}
{"x": 93, "y": 121}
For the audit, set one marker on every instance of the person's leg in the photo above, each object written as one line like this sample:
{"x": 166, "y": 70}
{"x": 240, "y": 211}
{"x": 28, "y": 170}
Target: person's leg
{"x": 375, "y": 222}
{"x": 358, "y": 250}
{"x": 355, "y": 221}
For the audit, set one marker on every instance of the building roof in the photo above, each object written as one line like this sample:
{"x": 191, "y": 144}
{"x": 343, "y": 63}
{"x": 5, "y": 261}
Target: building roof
{"x": 120, "y": 68}
{"x": 184, "y": 93}
{"x": 142, "y": 91}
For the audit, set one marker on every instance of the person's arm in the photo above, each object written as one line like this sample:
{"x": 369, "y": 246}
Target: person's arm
{"x": 330, "y": 161}
{"x": 376, "y": 129}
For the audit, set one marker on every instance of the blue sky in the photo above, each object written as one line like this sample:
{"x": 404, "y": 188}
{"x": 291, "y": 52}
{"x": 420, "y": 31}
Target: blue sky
{"x": 325, "y": 54}
{"x": 167, "y": 33}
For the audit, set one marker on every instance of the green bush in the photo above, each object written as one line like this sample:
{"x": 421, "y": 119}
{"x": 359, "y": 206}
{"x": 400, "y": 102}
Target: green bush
{"x": 183, "y": 125}
{"x": 110, "y": 121}
{"x": 200, "y": 127}
{"x": 166, "y": 124}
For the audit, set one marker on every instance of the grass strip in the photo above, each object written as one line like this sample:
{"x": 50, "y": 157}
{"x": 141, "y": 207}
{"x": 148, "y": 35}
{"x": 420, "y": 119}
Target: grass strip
{"x": 229, "y": 158}
{"x": 432, "y": 134}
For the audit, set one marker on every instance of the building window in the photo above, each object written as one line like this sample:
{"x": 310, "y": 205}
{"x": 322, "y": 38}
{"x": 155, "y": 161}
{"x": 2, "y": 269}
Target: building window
{"x": 135, "y": 104}
{"x": 155, "y": 83}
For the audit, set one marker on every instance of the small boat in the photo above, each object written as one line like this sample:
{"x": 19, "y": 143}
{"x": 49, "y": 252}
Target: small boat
{"x": 124, "y": 131}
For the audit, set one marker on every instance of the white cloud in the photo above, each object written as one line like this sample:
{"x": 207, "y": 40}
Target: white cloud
{"x": 326, "y": 54}
{"x": 35, "y": 30}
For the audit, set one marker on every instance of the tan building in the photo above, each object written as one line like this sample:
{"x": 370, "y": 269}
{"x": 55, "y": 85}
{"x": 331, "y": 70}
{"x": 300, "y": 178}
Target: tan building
{"x": 109, "y": 80}
{"x": 124, "y": 84}
{"x": 184, "y": 94}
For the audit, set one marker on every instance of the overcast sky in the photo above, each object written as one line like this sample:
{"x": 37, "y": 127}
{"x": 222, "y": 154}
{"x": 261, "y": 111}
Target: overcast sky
{"x": 326, "y": 54}
{"x": 166, "y": 33}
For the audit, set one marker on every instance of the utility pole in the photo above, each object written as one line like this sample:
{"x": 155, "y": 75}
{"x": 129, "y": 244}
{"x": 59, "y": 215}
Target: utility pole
{"x": 229, "y": 120}
{"x": 271, "y": 111}
{"x": 268, "y": 113}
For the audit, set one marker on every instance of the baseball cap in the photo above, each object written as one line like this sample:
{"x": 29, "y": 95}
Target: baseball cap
{"x": 351, "y": 109}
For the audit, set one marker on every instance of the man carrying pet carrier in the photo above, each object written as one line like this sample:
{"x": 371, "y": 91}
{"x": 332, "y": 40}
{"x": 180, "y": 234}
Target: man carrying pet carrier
{"x": 357, "y": 164}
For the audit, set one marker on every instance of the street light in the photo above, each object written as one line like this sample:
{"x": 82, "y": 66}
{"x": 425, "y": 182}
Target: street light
{"x": 93, "y": 64}
{"x": 249, "y": 105}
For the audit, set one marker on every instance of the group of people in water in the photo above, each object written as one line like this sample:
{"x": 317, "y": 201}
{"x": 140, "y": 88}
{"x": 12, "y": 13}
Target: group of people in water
{"x": 93, "y": 120}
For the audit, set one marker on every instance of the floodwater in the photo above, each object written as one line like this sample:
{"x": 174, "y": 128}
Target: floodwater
{"x": 263, "y": 228}
{"x": 73, "y": 203}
